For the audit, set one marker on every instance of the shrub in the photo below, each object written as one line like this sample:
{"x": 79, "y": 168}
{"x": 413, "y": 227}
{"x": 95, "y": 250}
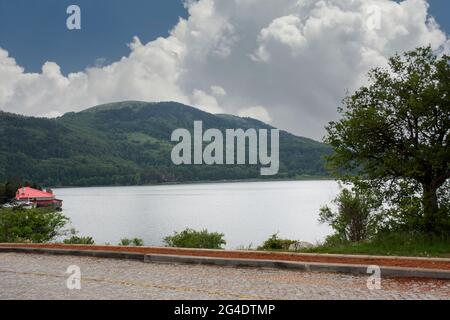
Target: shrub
{"x": 275, "y": 243}
{"x": 137, "y": 242}
{"x": 79, "y": 240}
{"x": 75, "y": 239}
{"x": 190, "y": 238}
{"x": 335, "y": 240}
{"x": 125, "y": 242}
{"x": 33, "y": 225}
{"x": 355, "y": 220}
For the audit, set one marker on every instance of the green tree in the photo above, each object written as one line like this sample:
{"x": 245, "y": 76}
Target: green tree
{"x": 394, "y": 133}
{"x": 3, "y": 197}
{"x": 34, "y": 225}
{"x": 11, "y": 187}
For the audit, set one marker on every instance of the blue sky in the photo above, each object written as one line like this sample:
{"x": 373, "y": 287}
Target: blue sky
{"x": 440, "y": 9}
{"x": 34, "y": 31}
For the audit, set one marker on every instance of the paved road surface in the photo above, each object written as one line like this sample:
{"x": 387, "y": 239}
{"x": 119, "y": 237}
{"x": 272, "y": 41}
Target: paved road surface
{"x": 30, "y": 276}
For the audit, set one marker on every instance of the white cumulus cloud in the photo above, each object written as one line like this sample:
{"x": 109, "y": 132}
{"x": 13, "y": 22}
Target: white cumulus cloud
{"x": 297, "y": 58}
{"x": 257, "y": 112}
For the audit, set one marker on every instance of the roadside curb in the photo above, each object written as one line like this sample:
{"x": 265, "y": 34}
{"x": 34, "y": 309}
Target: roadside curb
{"x": 81, "y": 253}
{"x": 386, "y": 271}
{"x": 206, "y": 251}
{"x": 392, "y": 272}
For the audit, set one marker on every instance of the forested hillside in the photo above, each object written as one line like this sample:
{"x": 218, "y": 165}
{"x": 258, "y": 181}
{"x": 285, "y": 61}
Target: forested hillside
{"x": 128, "y": 143}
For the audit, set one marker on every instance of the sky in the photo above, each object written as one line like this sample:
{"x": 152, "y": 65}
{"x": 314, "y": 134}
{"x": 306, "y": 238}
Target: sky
{"x": 286, "y": 62}
{"x": 35, "y": 31}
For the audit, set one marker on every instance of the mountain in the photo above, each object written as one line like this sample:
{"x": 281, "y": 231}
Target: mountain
{"x": 128, "y": 143}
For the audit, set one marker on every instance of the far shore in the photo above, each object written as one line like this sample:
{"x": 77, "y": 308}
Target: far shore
{"x": 201, "y": 182}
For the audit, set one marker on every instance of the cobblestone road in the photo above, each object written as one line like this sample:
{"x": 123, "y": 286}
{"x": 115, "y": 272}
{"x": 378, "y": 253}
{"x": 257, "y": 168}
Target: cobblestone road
{"x": 29, "y": 276}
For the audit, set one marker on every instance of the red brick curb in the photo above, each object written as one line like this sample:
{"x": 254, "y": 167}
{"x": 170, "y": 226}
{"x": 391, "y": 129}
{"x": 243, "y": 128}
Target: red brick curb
{"x": 404, "y": 262}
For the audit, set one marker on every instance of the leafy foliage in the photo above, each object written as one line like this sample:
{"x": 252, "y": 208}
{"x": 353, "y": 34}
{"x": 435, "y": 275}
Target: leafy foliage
{"x": 275, "y": 243}
{"x": 355, "y": 219}
{"x": 79, "y": 240}
{"x": 125, "y": 242}
{"x": 394, "y": 138}
{"x": 128, "y": 143}
{"x": 137, "y": 242}
{"x": 190, "y": 238}
{"x": 76, "y": 239}
{"x": 33, "y": 225}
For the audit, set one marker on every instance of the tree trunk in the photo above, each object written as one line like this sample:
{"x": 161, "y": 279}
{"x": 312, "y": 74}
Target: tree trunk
{"x": 430, "y": 208}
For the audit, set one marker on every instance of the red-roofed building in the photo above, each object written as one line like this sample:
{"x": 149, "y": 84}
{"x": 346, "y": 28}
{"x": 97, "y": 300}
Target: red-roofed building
{"x": 38, "y": 197}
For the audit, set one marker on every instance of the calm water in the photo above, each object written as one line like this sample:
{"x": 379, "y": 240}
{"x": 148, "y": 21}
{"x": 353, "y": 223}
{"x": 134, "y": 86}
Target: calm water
{"x": 247, "y": 213}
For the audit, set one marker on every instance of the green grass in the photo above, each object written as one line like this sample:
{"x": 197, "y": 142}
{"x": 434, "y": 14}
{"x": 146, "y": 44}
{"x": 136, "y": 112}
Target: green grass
{"x": 391, "y": 245}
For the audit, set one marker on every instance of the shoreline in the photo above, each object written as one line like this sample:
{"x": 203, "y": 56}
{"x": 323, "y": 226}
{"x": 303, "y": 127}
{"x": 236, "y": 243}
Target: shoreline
{"x": 198, "y": 183}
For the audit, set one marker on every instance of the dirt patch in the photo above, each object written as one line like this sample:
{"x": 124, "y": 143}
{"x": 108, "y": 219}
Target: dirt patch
{"x": 320, "y": 258}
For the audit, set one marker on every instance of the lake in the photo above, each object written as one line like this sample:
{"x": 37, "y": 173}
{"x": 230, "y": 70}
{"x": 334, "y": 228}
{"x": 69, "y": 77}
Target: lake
{"x": 246, "y": 212}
